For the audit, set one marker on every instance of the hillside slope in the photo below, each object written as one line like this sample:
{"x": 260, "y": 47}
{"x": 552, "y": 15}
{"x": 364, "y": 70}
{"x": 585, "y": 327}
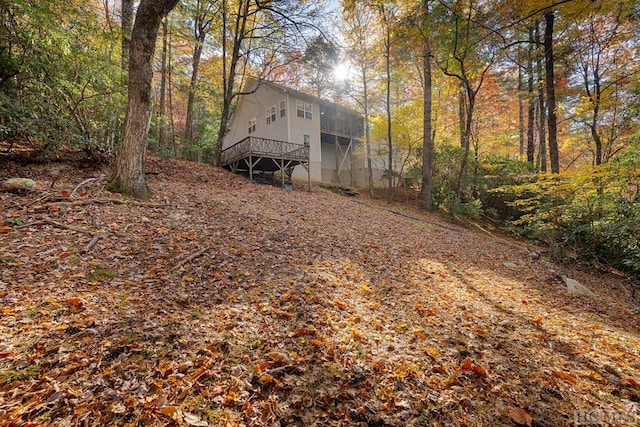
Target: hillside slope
{"x": 223, "y": 302}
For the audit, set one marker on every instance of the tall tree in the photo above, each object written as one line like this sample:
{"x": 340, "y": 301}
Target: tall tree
{"x": 532, "y": 101}
{"x": 550, "y": 80}
{"x": 385, "y": 16}
{"x": 201, "y": 16}
{"x": 468, "y": 53}
{"x": 542, "y": 107}
{"x": 127, "y": 176}
{"x": 427, "y": 140}
{"x": 359, "y": 24}
{"x": 320, "y": 57}
{"x": 604, "y": 61}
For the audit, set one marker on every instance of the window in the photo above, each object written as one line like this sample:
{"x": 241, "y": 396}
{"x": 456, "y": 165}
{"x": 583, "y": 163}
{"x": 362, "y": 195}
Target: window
{"x": 270, "y": 114}
{"x": 307, "y": 140}
{"x": 283, "y": 108}
{"x": 252, "y": 125}
{"x": 304, "y": 110}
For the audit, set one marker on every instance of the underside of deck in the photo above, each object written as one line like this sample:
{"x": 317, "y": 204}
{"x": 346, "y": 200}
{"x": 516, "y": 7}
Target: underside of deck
{"x": 260, "y": 155}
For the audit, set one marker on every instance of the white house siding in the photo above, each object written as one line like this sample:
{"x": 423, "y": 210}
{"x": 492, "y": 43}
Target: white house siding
{"x": 301, "y": 127}
{"x": 255, "y": 105}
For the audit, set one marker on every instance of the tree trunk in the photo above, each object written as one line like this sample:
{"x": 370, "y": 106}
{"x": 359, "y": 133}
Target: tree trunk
{"x": 520, "y": 112}
{"x": 162, "y": 116}
{"x": 189, "y": 123}
{"x": 128, "y": 176}
{"x": 462, "y": 113}
{"x": 127, "y": 22}
{"x": 542, "y": 122}
{"x": 427, "y": 142}
{"x": 468, "y": 101}
{"x": 367, "y": 137}
{"x": 229, "y": 70}
{"x": 387, "y": 56}
{"x": 551, "y": 95}
{"x": 532, "y": 103}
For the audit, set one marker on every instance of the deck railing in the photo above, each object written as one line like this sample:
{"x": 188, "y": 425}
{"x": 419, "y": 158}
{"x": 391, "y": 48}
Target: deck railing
{"x": 263, "y": 147}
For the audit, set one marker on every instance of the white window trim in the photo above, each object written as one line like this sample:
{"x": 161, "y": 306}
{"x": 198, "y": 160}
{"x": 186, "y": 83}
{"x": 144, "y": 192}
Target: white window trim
{"x": 270, "y": 114}
{"x": 304, "y": 110}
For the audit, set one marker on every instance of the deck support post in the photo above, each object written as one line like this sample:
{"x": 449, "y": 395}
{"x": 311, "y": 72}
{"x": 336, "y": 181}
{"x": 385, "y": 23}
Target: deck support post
{"x": 281, "y": 167}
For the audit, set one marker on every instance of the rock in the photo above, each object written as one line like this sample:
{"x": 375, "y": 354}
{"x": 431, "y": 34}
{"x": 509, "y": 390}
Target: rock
{"x": 18, "y": 185}
{"x": 576, "y": 288}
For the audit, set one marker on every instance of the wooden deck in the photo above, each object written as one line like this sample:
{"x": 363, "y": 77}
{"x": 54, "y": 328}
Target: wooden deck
{"x": 261, "y": 155}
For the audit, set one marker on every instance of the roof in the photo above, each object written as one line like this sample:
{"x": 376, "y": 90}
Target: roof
{"x": 304, "y": 95}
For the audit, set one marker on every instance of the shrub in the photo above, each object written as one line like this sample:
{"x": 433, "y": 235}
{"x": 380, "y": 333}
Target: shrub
{"x": 591, "y": 215}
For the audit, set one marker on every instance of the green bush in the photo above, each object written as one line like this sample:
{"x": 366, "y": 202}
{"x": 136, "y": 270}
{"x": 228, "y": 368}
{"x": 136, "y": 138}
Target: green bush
{"x": 591, "y": 215}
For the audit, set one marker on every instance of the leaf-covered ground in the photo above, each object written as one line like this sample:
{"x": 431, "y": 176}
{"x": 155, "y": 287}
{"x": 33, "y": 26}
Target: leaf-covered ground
{"x": 227, "y": 303}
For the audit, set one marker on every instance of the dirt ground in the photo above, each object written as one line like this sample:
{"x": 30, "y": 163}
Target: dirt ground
{"x": 226, "y": 303}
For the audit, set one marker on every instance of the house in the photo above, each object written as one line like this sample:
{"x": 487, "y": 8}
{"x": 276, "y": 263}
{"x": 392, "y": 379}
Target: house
{"x": 275, "y": 128}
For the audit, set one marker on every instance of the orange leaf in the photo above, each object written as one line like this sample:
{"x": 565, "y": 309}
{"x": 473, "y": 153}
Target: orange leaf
{"x": 479, "y": 370}
{"x": 340, "y": 304}
{"x": 466, "y": 364}
{"x": 170, "y": 411}
{"x": 537, "y": 320}
{"x": 282, "y": 313}
{"x": 567, "y": 377}
{"x": 520, "y": 416}
{"x": 420, "y": 334}
{"x": 268, "y": 379}
{"x": 317, "y": 342}
{"x": 75, "y": 302}
{"x": 4, "y": 229}
{"x": 433, "y": 352}
{"x": 629, "y": 382}
{"x": 4, "y": 354}
{"x": 303, "y": 332}
{"x": 357, "y": 335}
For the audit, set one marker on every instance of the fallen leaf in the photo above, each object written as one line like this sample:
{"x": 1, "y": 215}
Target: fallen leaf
{"x": 4, "y": 229}
{"x": 172, "y": 412}
{"x": 74, "y": 302}
{"x": 565, "y": 376}
{"x": 479, "y": 370}
{"x": 520, "y": 416}
{"x": 466, "y": 364}
{"x": 340, "y": 304}
{"x": 629, "y": 382}
{"x": 194, "y": 420}
{"x": 420, "y": 334}
{"x": 268, "y": 379}
{"x": 303, "y": 332}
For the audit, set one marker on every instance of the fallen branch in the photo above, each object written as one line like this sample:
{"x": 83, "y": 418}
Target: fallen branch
{"x": 42, "y": 198}
{"x": 106, "y": 201}
{"x": 85, "y": 182}
{"x": 91, "y": 244}
{"x": 49, "y": 221}
{"x": 189, "y": 259}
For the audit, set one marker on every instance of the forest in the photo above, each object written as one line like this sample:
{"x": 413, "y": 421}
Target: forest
{"x": 527, "y": 114}
{"x": 490, "y": 277}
